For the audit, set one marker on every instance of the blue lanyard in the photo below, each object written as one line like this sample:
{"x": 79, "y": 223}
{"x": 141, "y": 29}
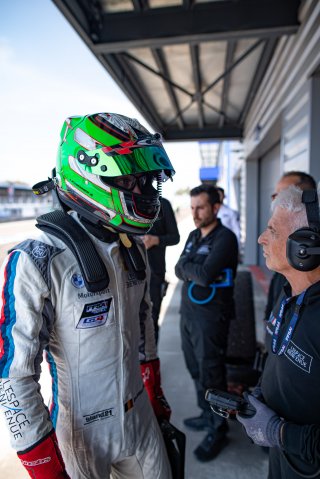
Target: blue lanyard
{"x": 291, "y": 327}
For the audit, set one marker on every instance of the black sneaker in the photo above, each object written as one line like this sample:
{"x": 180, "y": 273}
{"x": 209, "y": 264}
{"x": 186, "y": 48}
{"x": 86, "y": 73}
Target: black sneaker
{"x": 211, "y": 445}
{"x": 198, "y": 423}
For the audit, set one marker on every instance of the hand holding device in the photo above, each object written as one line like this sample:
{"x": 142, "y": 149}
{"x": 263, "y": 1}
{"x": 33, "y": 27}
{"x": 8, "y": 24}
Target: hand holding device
{"x": 224, "y": 403}
{"x": 264, "y": 427}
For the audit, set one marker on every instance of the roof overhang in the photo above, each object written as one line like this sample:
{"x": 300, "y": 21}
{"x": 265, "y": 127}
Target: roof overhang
{"x": 192, "y": 68}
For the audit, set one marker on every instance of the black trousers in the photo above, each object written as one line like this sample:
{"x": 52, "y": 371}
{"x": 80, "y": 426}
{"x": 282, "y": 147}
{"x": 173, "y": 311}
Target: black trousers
{"x": 204, "y": 344}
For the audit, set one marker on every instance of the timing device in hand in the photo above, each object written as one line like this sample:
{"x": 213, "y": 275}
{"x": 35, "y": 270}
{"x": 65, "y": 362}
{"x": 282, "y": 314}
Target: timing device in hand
{"x": 224, "y": 403}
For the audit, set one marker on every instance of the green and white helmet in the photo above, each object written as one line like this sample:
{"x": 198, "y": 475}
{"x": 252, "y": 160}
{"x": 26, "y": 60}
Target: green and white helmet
{"x": 100, "y": 160}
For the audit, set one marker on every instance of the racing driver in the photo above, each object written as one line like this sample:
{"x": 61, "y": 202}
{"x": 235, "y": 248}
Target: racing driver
{"x": 78, "y": 293}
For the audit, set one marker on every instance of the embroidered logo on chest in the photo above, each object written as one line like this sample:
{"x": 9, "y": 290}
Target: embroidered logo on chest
{"x": 299, "y": 357}
{"x": 77, "y": 280}
{"x": 94, "y": 314}
{"x": 99, "y": 415}
{"x": 204, "y": 249}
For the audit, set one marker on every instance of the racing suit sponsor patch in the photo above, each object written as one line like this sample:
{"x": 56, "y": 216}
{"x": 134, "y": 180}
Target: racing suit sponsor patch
{"x": 94, "y": 314}
{"x": 40, "y": 251}
{"x": 38, "y": 462}
{"x": 299, "y": 357}
{"x": 77, "y": 280}
{"x": 88, "y": 294}
{"x": 14, "y": 415}
{"x": 99, "y": 416}
{"x": 132, "y": 280}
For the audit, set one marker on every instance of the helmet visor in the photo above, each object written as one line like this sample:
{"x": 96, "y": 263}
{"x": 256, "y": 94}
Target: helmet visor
{"x": 129, "y": 182}
{"x": 129, "y": 162}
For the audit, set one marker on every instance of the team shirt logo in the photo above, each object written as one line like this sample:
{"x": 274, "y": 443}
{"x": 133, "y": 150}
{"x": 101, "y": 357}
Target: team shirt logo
{"x": 204, "y": 249}
{"x": 299, "y": 357}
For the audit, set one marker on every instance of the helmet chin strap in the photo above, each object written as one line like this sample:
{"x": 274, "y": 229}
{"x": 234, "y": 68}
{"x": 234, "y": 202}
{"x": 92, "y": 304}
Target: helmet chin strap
{"x": 123, "y": 236}
{"x": 109, "y": 228}
{"x": 125, "y": 240}
{"x": 131, "y": 254}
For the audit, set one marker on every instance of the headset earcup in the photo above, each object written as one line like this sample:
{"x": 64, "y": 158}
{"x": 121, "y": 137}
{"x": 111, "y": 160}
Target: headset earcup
{"x": 297, "y": 243}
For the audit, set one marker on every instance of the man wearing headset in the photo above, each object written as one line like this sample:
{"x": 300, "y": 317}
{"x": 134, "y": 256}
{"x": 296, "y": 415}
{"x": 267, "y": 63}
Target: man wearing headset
{"x": 305, "y": 182}
{"x": 79, "y": 292}
{"x": 210, "y": 249}
{"x": 287, "y": 418}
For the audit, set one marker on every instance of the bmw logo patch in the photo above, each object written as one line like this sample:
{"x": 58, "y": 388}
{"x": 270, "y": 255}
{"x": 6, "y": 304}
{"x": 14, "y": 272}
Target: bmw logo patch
{"x": 77, "y": 280}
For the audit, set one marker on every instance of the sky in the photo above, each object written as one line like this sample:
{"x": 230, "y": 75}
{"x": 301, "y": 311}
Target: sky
{"x": 47, "y": 74}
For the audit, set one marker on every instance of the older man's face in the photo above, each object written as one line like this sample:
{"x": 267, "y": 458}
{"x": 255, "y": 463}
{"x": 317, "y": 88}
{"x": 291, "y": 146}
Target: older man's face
{"x": 274, "y": 239}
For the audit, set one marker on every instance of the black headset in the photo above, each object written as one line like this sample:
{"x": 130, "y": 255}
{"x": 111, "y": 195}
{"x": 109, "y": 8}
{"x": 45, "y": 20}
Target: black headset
{"x": 303, "y": 245}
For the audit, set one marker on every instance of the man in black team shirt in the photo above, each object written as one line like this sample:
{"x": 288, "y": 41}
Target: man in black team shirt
{"x": 211, "y": 251}
{"x": 305, "y": 182}
{"x": 287, "y": 418}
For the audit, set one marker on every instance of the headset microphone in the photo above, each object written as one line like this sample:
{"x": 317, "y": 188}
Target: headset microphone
{"x": 303, "y": 245}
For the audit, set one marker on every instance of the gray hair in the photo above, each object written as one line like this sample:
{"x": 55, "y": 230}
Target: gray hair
{"x": 290, "y": 199}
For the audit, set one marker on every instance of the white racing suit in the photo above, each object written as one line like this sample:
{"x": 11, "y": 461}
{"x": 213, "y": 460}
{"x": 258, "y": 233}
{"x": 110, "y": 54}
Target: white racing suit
{"x": 93, "y": 342}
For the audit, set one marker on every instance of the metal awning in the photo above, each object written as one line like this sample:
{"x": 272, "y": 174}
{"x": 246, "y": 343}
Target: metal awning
{"x": 191, "y": 67}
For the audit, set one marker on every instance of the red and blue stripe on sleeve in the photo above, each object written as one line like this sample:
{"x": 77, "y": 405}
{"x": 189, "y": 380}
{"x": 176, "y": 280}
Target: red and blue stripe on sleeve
{"x": 8, "y": 315}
